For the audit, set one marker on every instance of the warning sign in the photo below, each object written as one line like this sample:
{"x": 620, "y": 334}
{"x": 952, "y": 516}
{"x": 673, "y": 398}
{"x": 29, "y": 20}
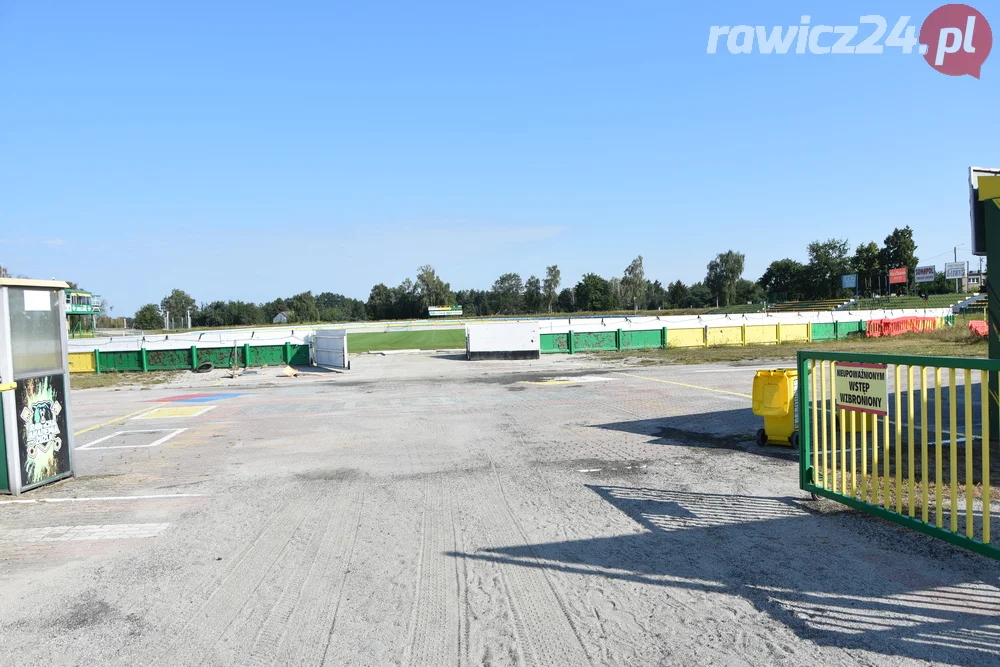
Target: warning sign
{"x": 861, "y": 387}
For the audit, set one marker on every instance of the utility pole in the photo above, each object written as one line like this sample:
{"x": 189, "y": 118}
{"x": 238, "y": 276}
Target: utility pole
{"x": 956, "y": 260}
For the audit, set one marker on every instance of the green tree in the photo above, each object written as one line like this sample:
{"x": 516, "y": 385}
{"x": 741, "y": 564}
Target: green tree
{"x": 148, "y": 317}
{"x": 656, "y": 296}
{"x": 592, "y": 293}
{"x": 723, "y": 273}
{"x": 433, "y": 290}
{"x": 634, "y": 284}
{"x": 532, "y": 294}
{"x": 177, "y": 304}
{"x": 784, "y": 279}
{"x": 4, "y": 273}
{"x": 747, "y": 291}
{"x": 507, "y": 294}
{"x": 550, "y": 288}
{"x": 867, "y": 264}
{"x": 700, "y": 296}
{"x": 566, "y": 301}
{"x": 678, "y": 295}
{"x": 304, "y": 306}
{"x": 899, "y": 250}
{"x": 379, "y": 305}
{"x": 828, "y": 261}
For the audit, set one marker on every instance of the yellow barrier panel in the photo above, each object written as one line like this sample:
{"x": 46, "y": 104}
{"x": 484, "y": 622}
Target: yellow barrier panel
{"x": 82, "y": 362}
{"x": 760, "y": 334}
{"x": 887, "y": 461}
{"x": 794, "y": 332}
{"x": 724, "y": 336}
{"x": 686, "y": 338}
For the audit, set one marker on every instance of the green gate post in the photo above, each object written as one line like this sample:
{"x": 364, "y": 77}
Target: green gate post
{"x": 145, "y": 361}
{"x": 97, "y": 361}
{"x": 805, "y": 435}
{"x": 663, "y": 339}
{"x": 618, "y": 340}
{"x": 246, "y": 355}
{"x": 288, "y": 352}
{"x": 992, "y": 208}
{"x": 194, "y": 358}
{"x": 569, "y": 341}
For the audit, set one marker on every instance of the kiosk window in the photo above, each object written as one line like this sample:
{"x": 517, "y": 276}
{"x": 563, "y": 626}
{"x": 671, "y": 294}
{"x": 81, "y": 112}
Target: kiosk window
{"x": 34, "y": 330}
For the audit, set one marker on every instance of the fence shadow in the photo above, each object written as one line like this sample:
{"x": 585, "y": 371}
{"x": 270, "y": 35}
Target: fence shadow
{"x": 723, "y": 429}
{"x": 839, "y": 579}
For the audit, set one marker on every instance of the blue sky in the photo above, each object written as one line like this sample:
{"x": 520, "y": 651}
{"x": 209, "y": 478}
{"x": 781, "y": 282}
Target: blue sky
{"x": 254, "y": 150}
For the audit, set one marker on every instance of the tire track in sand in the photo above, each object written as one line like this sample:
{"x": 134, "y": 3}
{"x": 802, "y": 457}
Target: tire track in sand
{"x": 542, "y": 625}
{"x": 226, "y": 596}
{"x": 434, "y": 635}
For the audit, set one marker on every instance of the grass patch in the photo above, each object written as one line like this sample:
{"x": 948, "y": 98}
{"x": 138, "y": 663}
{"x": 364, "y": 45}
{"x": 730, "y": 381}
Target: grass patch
{"x": 443, "y": 339}
{"x": 948, "y": 342}
{"x": 116, "y": 379}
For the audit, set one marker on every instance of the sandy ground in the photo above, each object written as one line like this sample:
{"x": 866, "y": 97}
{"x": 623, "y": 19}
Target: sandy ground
{"x": 425, "y": 510}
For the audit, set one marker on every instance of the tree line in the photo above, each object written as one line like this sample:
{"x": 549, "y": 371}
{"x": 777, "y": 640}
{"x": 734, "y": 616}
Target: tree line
{"x": 784, "y": 280}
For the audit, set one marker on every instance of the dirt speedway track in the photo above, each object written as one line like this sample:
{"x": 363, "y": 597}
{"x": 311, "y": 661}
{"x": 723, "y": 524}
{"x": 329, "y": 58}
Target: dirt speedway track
{"x": 425, "y": 510}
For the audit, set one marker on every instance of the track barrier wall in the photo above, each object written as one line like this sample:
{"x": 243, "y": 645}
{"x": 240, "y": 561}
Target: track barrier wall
{"x": 920, "y": 460}
{"x": 728, "y": 332}
{"x": 189, "y": 358}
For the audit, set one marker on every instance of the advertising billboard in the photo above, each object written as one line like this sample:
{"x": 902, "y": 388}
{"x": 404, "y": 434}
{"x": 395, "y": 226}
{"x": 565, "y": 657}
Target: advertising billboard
{"x": 849, "y": 281}
{"x": 897, "y": 276}
{"x": 925, "y": 274}
{"x": 954, "y": 270}
{"x": 41, "y": 428}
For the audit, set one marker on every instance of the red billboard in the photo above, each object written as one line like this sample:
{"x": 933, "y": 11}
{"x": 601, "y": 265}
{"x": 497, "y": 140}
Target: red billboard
{"x": 897, "y": 276}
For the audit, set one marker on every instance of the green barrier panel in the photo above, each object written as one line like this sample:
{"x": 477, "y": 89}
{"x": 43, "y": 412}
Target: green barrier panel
{"x": 550, "y": 343}
{"x": 3, "y": 454}
{"x": 188, "y": 358}
{"x": 824, "y": 331}
{"x": 845, "y": 329}
{"x": 166, "y": 360}
{"x": 122, "y": 361}
{"x": 641, "y": 340}
{"x": 591, "y": 341}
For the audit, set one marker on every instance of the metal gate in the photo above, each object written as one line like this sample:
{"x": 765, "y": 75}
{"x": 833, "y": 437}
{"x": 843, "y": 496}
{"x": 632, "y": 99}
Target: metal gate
{"x": 918, "y": 454}
{"x": 330, "y": 348}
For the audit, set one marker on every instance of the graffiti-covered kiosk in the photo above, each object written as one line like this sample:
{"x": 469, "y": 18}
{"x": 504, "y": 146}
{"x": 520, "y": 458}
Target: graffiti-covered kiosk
{"x": 36, "y": 438}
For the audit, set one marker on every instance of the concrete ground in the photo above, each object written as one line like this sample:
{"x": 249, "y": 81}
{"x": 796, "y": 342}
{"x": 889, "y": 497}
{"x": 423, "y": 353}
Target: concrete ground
{"x": 425, "y": 510}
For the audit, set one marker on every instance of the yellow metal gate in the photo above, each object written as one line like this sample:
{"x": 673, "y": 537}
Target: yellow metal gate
{"x": 903, "y": 438}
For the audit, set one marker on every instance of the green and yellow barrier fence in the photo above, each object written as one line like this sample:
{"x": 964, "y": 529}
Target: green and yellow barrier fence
{"x": 901, "y": 438}
{"x": 733, "y": 335}
{"x": 189, "y": 358}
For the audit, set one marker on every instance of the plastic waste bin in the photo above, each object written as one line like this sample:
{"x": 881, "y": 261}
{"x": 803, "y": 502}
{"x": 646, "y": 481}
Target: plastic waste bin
{"x": 774, "y": 399}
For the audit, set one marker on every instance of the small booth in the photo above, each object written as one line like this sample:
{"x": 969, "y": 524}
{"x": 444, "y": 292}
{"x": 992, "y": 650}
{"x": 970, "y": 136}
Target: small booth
{"x": 36, "y": 432}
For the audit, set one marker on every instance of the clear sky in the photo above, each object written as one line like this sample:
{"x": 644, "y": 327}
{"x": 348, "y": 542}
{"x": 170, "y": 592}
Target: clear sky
{"x": 250, "y": 150}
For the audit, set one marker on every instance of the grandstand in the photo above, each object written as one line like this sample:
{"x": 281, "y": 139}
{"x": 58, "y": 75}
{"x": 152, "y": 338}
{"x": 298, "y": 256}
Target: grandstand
{"x": 739, "y": 309}
{"x": 899, "y": 302}
{"x": 807, "y": 306}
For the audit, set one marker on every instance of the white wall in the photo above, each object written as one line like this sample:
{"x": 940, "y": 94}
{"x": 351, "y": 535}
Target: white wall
{"x": 588, "y": 324}
{"x": 502, "y": 337}
{"x": 329, "y": 348}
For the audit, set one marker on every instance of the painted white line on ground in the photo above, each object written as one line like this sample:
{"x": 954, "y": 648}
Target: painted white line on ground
{"x": 102, "y": 499}
{"x": 172, "y": 432}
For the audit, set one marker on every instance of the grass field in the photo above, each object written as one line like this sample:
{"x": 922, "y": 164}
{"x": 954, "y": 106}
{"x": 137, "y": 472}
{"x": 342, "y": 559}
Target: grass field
{"x": 443, "y": 339}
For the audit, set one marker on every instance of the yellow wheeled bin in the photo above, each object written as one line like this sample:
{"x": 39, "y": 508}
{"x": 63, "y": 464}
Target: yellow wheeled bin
{"x": 774, "y": 399}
